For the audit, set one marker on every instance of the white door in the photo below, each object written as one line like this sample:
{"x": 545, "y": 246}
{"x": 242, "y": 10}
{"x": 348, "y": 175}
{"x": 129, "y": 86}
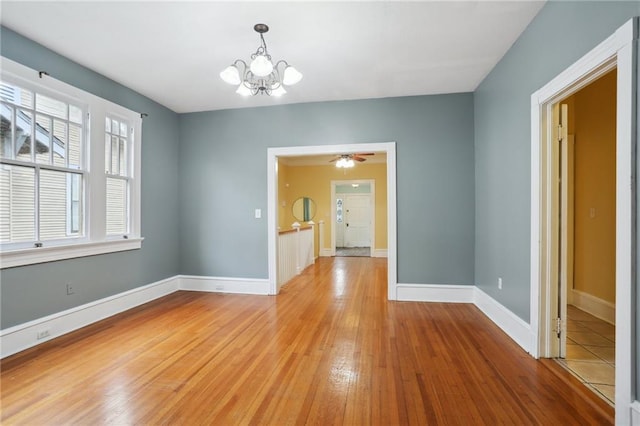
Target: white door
{"x": 357, "y": 220}
{"x": 563, "y": 150}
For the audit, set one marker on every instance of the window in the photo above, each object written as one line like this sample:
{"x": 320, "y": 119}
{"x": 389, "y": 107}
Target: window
{"x": 118, "y": 136}
{"x": 69, "y": 171}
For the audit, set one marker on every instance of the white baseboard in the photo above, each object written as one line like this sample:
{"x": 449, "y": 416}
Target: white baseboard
{"x": 325, "y": 252}
{"x": 435, "y": 293}
{"x": 597, "y": 307}
{"x": 379, "y": 253}
{"x": 24, "y": 336}
{"x": 517, "y": 329}
{"x": 224, "y": 285}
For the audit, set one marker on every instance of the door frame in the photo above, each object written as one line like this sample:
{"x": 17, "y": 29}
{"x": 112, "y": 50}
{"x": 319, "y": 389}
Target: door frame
{"x": 389, "y": 148}
{"x": 618, "y": 51}
{"x": 372, "y": 209}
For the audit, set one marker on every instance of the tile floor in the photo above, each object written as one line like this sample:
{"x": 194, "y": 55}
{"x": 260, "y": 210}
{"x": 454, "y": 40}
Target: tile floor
{"x": 591, "y": 351}
{"x": 353, "y": 251}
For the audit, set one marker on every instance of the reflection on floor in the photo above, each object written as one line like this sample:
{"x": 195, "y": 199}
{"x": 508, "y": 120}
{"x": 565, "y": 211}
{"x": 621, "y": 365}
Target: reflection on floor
{"x": 591, "y": 351}
{"x": 353, "y": 251}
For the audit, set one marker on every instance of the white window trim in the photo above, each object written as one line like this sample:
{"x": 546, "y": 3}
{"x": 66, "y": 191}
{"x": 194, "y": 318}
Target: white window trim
{"x": 95, "y": 240}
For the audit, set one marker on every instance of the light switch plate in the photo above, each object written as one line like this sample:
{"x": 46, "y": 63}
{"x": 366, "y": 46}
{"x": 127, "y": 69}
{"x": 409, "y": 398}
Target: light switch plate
{"x": 258, "y": 213}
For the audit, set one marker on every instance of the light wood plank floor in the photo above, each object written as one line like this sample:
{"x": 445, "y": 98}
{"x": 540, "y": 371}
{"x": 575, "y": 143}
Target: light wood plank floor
{"x": 330, "y": 349}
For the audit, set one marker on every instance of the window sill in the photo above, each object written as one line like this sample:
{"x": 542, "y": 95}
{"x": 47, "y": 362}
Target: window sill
{"x": 31, "y": 256}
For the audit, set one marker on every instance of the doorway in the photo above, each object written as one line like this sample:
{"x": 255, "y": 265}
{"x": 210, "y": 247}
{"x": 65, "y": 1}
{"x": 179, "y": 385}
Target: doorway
{"x": 353, "y": 233}
{"x": 388, "y": 148}
{"x": 617, "y": 52}
{"x": 586, "y": 204}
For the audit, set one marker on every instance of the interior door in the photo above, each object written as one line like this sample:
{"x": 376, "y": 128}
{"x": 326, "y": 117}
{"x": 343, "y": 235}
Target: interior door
{"x": 357, "y": 220}
{"x": 565, "y": 231}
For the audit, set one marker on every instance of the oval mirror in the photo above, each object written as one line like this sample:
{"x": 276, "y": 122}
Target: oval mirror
{"x": 304, "y": 209}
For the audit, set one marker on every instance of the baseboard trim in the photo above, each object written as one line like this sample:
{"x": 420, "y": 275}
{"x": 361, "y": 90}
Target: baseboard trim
{"x": 325, "y": 252}
{"x": 444, "y": 293}
{"x": 516, "y": 328}
{"x": 380, "y": 253}
{"x": 595, "y": 306}
{"x": 24, "y": 336}
{"x": 224, "y": 284}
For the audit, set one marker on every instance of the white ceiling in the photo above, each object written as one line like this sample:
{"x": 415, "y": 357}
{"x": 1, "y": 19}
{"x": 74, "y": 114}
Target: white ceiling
{"x": 172, "y": 52}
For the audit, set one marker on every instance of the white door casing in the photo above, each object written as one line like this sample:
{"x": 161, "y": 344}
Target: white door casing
{"x": 618, "y": 51}
{"x": 335, "y": 196}
{"x": 389, "y": 148}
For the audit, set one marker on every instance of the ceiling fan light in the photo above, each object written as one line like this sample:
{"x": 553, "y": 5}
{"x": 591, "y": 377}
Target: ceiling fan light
{"x": 230, "y": 75}
{"x": 291, "y": 76}
{"x": 279, "y": 91}
{"x": 349, "y": 163}
{"x": 261, "y": 66}
{"x": 244, "y": 90}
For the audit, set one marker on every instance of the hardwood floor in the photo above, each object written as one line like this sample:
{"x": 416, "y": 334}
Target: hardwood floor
{"x": 330, "y": 349}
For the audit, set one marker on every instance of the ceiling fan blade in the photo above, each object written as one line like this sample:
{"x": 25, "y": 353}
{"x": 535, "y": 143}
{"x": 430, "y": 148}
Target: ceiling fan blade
{"x": 335, "y": 159}
{"x": 355, "y": 157}
{"x": 365, "y": 153}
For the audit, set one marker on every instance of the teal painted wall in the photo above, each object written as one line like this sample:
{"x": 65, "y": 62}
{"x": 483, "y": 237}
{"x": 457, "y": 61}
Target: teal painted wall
{"x": 223, "y": 178}
{"x": 560, "y": 34}
{"x": 32, "y": 292}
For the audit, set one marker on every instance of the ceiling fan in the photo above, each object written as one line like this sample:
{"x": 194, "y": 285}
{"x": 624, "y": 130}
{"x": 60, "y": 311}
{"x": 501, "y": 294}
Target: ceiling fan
{"x": 346, "y": 160}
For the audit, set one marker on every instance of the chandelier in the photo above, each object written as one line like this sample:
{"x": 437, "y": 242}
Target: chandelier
{"x": 261, "y": 75}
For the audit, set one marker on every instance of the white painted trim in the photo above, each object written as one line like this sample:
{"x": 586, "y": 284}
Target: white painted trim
{"x": 626, "y": 157}
{"x": 272, "y": 198}
{"x": 379, "y": 253}
{"x": 24, "y": 336}
{"x": 30, "y": 256}
{"x": 95, "y": 240}
{"x": 635, "y": 413}
{"x": 593, "y": 305}
{"x": 443, "y": 293}
{"x": 224, "y": 285}
{"x": 517, "y": 329}
{"x": 619, "y": 50}
{"x": 325, "y": 252}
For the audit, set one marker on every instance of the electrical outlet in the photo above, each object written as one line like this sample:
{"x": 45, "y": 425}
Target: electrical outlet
{"x": 499, "y": 283}
{"x": 70, "y": 289}
{"x": 42, "y": 334}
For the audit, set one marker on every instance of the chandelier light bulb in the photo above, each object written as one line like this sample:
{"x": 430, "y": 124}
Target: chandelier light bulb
{"x": 231, "y": 75}
{"x": 261, "y": 66}
{"x": 278, "y": 92}
{"x": 291, "y": 76}
{"x": 243, "y": 90}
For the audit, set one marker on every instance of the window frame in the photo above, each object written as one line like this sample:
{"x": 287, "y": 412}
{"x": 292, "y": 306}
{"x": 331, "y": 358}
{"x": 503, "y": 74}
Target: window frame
{"x": 95, "y": 240}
